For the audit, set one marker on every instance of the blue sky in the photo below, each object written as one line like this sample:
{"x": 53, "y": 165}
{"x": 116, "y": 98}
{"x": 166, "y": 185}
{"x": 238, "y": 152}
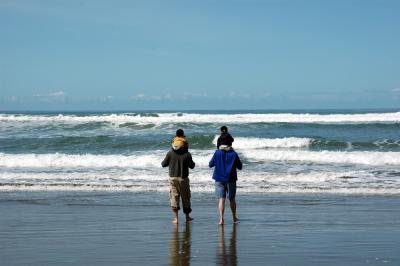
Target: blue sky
{"x": 129, "y": 55}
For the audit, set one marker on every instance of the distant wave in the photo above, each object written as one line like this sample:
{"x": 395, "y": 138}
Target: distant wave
{"x": 259, "y": 143}
{"x": 161, "y": 118}
{"x": 108, "y": 144}
{"x": 295, "y": 142}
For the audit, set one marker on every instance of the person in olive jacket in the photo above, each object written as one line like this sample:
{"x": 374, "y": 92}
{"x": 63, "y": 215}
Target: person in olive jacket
{"x": 179, "y": 161}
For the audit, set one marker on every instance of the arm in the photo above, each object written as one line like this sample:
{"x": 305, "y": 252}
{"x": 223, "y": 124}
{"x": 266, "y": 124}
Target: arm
{"x": 165, "y": 162}
{"x": 212, "y": 162}
{"x": 238, "y": 163}
{"x": 191, "y": 164}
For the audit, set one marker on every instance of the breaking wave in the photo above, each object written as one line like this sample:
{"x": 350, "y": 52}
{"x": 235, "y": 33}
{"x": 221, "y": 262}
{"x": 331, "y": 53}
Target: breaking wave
{"x": 326, "y": 157}
{"x": 307, "y": 183}
{"x": 201, "y": 157}
{"x": 128, "y": 119}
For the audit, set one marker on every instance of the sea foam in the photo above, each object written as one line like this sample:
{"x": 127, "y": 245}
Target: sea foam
{"x": 252, "y": 182}
{"x": 259, "y": 143}
{"x": 201, "y": 157}
{"x": 324, "y": 157}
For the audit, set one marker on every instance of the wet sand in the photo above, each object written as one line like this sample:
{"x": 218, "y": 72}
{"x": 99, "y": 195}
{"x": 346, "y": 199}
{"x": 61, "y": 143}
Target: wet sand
{"x": 103, "y": 228}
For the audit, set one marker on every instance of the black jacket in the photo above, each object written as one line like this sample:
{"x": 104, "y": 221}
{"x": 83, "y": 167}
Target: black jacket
{"x": 179, "y": 162}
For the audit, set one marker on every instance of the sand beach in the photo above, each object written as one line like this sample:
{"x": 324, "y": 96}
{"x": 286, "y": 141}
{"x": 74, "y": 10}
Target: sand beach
{"x": 103, "y": 228}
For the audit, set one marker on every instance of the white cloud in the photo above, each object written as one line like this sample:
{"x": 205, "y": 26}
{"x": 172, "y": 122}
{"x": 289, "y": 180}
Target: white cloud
{"x": 195, "y": 95}
{"x": 51, "y": 94}
{"x": 50, "y": 97}
{"x": 100, "y": 98}
{"x": 245, "y": 96}
{"x": 240, "y": 95}
{"x": 105, "y": 98}
{"x": 138, "y": 96}
{"x": 12, "y": 99}
{"x": 57, "y": 94}
{"x": 167, "y": 96}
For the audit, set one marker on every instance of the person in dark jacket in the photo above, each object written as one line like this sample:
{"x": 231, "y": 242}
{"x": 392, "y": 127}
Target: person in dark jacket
{"x": 179, "y": 161}
{"x": 225, "y": 163}
{"x": 225, "y": 140}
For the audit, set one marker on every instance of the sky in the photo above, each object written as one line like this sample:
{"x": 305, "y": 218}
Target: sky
{"x": 190, "y": 55}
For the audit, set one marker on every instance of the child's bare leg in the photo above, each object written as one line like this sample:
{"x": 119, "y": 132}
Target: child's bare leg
{"x": 221, "y": 208}
{"x": 233, "y": 209}
{"x": 175, "y": 219}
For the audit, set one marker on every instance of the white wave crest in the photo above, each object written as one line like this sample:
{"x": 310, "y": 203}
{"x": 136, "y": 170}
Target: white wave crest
{"x": 259, "y": 143}
{"x": 152, "y": 160}
{"x": 200, "y": 157}
{"x": 76, "y": 161}
{"x": 335, "y": 157}
{"x": 162, "y": 118}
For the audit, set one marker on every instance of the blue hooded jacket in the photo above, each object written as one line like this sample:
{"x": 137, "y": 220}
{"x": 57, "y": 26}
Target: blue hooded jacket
{"x": 226, "y": 163}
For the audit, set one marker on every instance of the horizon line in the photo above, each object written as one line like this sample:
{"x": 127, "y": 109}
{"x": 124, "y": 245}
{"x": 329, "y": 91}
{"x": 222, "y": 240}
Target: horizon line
{"x": 200, "y": 110}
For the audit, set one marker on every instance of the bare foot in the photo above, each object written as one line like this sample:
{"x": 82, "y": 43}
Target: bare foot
{"x": 189, "y": 219}
{"x": 235, "y": 220}
{"x": 175, "y": 221}
{"x": 221, "y": 222}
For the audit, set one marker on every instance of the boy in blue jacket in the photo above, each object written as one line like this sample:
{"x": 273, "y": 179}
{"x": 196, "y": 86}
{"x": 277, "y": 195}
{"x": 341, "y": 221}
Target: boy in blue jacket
{"x": 225, "y": 175}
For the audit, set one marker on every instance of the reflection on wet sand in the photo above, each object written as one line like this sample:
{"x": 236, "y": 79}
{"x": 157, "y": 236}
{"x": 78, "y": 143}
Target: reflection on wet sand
{"x": 227, "y": 256}
{"x": 180, "y": 246}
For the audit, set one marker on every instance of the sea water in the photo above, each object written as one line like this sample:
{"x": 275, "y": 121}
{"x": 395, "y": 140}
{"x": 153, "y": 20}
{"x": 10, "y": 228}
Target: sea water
{"x": 329, "y": 151}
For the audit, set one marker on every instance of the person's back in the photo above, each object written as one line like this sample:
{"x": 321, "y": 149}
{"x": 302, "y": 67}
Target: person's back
{"x": 225, "y": 175}
{"x": 179, "y": 161}
{"x": 226, "y": 163}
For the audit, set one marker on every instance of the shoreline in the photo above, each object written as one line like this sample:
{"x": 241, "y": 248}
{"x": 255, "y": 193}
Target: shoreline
{"x": 83, "y": 188}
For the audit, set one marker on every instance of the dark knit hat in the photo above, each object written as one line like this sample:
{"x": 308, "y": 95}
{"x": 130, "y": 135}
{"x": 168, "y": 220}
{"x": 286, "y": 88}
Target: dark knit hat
{"x": 180, "y": 133}
{"x": 224, "y": 129}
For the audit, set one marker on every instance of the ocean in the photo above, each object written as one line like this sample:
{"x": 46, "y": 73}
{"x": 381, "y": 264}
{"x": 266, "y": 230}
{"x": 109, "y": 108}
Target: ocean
{"x": 87, "y": 188}
{"x": 328, "y": 152}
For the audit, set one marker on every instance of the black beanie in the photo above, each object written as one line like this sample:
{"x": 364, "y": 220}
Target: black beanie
{"x": 224, "y": 129}
{"x": 180, "y": 133}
